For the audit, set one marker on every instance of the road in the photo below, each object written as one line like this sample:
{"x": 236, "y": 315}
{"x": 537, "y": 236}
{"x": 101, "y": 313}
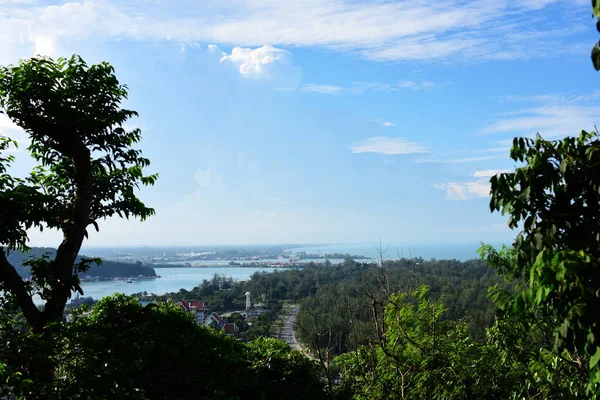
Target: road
{"x": 287, "y": 330}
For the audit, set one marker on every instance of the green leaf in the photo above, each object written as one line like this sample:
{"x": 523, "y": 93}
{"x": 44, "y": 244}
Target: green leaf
{"x": 596, "y": 8}
{"x": 596, "y": 57}
{"x": 595, "y": 358}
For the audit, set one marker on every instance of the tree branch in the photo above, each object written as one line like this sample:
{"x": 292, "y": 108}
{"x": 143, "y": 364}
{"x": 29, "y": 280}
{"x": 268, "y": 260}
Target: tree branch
{"x": 15, "y": 285}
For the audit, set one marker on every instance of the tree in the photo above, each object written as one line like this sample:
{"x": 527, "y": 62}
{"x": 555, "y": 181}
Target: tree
{"x": 554, "y": 198}
{"x": 596, "y": 48}
{"x": 123, "y": 350}
{"x": 418, "y": 355}
{"x": 86, "y": 170}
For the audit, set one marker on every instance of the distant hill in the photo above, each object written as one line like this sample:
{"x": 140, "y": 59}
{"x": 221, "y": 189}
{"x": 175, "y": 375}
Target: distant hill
{"x": 108, "y": 269}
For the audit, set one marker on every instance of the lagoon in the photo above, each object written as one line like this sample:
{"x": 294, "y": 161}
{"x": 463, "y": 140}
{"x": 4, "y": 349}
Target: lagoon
{"x": 171, "y": 280}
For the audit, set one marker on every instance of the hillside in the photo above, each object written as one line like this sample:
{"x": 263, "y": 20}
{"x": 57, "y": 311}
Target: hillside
{"x": 108, "y": 269}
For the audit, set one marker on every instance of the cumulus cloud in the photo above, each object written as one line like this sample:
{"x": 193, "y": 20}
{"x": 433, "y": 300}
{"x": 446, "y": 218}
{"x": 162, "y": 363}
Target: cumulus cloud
{"x": 489, "y": 173}
{"x": 465, "y": 191}
{"x": 390, "y": 146}
{"x": 259, "y": 62}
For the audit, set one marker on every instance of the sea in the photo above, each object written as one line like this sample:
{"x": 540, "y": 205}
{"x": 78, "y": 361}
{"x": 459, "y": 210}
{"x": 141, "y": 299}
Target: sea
{"x": 394, "y": 251}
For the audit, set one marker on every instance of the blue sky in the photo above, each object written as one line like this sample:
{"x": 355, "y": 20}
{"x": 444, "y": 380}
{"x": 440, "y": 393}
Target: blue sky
{"x": 323, "y": 120}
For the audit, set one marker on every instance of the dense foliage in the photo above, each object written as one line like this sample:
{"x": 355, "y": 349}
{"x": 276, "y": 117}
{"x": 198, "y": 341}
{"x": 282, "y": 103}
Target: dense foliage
{"x": 98, "y": 268}
{"x": 553, "y": 198}
{"x": 120, "y": 349}
{"x": 420, "y": 355}
{"x": 336, "y": 294}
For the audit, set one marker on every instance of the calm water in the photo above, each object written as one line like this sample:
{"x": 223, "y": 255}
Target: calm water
{"x": 172, "y": 279}
{"x": 224, "y": 263}
{"x": 397, "y": 250}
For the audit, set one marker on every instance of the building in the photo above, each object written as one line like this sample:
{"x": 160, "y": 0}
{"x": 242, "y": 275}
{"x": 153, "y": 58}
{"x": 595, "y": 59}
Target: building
{"x": 215, "y": 321}
{"x": 231, "y": 328}
{"x": 194, "y": 307}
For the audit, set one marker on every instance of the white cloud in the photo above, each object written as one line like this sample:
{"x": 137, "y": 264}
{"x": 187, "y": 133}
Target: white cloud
{"x": 552, "y": 115}
{"x": 549, "y": 121}
{"x": 44, "y": 46}
{"x": 257, "y": 62}
{"x": 207, "y": 178}
{"x": 385, "y": 145}
{"x": 376, "y": 30}
{"x": 322, "y": 89}
{"x": 385, "y": 124}
{"x": 11, "y": 130}
{"x": 457, "y": 160}
{"x": 425, "y": 85}
{"x": 465, "y": 191}
{"x": 213, "y": 48}
{"x": 358, "y": 87}
{"x": 489, "y": 173}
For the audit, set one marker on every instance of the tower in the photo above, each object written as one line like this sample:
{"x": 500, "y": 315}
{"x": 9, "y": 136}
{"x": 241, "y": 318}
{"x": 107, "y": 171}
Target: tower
{"x": 248, "y": 304}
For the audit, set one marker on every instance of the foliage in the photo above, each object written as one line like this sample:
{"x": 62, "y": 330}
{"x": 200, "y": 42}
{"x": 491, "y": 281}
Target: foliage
{"x": 86, "y": 171}
{"x": 417, "y": 355}
{"x": 98, "y": 268}
{"x": 596, "y": 48}
{"x": 554, "y": 199}
{"x": 120, "y": 349}
{"x": 522, "y": 345}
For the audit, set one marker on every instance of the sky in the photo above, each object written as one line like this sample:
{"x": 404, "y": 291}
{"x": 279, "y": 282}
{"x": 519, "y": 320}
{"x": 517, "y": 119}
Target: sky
{"x": 322, "y": 121}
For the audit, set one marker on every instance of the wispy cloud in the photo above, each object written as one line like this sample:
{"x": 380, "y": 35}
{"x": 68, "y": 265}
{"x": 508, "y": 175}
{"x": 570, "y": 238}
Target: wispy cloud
{"x": 385, "y": 124}
{"x": 207, "y": 178}
{"x": 551, "y": 115}
{"x": 323, "y": 89}
{"x": 488, "y": 173}
{"x": 390, "y": 146}
{"x": 376, "y": 30}
{"x": 457, "y": 160}
{"x": 362, "y": 87}
{"x": 425, "y": 85}
{"x": 466, "y": 190}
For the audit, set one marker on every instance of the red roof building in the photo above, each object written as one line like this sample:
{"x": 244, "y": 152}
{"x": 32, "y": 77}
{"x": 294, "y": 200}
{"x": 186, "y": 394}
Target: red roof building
{"x": 195, "y": 307}
{"x": 215, "y": 321}
{"x": 231, "y": 328}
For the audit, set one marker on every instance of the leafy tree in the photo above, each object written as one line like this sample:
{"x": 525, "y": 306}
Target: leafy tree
{"x": 596, "y": 48}
{"x": 554, "y": 198}
{"x": 521, "y": 353}
{"x": 418, "y": 355}
{"x": 86, "y": 170}
{"x": 120, "y": 349}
